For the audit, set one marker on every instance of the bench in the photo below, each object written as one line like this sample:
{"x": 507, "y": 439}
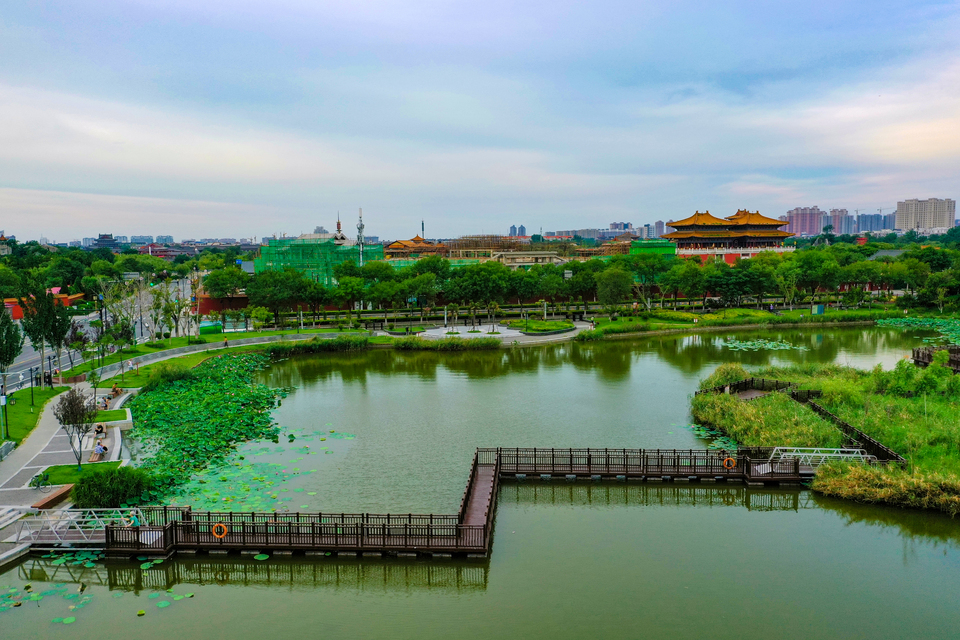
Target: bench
{"x": 95, "y": 457}
{"x": 54, "y": 498}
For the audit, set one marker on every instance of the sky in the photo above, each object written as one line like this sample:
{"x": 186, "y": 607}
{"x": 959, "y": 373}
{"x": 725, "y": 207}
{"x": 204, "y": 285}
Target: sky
{"x": 236, "y": 118}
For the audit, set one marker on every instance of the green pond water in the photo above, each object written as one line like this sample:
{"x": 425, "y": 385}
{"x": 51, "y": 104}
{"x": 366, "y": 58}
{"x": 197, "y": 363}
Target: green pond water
{"x": 569, "y": 560}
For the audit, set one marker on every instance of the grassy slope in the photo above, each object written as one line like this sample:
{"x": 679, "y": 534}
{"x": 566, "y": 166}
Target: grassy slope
{"x": 68, "y": 474}
{"x": 22, "y": 419}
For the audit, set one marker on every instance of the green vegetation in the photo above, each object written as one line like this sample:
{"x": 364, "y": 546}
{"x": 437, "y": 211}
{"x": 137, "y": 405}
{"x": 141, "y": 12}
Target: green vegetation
{"x": 69, "y": 474}
{"x": 949, "y": 327}
{"x": 111, "y": 415}
{"x": 164, "y": 372}
{"x": 446, "y": 344}
{"x": 771, "y": 421}
{"x": 539, "y": 326}
{"x": 24, "y": 417}
{"x": 317, "y": 345}
{"x": 187, "y": 424}
{"x": 101, "y": 486}
{"x": 913, "y": 411}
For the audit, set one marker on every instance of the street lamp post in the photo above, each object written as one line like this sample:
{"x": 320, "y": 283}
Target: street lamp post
{"x": 31, "y": 386}
{"x": 50, "y": 370}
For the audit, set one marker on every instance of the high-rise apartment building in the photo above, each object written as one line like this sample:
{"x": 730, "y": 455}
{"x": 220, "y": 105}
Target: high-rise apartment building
{"x": 621, "y": 226}
{"x": 658, "y": 227}
{"x": 890, "y": 221}
{"x": 88, "y": 242}
{"x": 922, "y": 215}
{"x": 805, "y": 221}
{"x": 843, "y": 223}
{"x": 513, "y": 230}
{"x": 141, "y": 239}
{"x": 521, "y": 230}
{"x": 164, "y": 239}
{"x": 869, "y": 222}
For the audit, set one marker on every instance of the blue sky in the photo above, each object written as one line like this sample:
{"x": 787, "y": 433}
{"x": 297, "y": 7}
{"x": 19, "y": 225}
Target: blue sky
{"x": 245, "y": 118}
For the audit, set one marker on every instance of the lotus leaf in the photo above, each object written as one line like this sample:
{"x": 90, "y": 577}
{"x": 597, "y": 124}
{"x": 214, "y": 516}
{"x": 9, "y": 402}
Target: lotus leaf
{"x": 163, "y": 604}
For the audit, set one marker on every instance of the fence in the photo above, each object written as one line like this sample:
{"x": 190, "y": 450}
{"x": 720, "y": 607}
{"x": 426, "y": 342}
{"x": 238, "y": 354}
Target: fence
{"x": 758, "y": 384}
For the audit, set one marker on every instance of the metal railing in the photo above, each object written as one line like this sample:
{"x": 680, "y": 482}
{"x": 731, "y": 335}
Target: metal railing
{"x": 75, "y": 527}
{"x": 815, "y": 456}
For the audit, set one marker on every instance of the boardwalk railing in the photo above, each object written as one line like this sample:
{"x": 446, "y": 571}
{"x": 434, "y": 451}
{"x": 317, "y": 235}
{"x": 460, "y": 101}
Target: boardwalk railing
{"x": 470, "y": 531}
{"x": 700, "y": 463}
{"x": 923, "y": 356}
{"x": 758, "y": 384}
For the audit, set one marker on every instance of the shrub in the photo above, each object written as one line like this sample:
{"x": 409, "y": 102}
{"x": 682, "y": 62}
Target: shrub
{"x": 111, "y": 488}
{"x": 725, "y": 374}
{"x": 590, "y": 335}
{"x": 166, "y": 372}
{"x": 446, "y": 344}
{"x": 317, "y": 345}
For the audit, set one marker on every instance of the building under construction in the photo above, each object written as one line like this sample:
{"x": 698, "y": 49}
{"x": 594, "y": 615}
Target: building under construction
{"x": 481, "y": 246}
{"x": 314, "y": 254}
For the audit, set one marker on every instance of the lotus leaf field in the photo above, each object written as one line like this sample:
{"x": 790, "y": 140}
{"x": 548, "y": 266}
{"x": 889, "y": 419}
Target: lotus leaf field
{"x": 761, "y": 344}
{"x": 948, "y": 327}
{"x": 185, "y": 425}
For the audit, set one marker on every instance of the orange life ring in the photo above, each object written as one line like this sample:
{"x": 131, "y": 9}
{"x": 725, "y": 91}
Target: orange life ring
{"x": 219, "y": 530}
{"x": 733, "y": 463}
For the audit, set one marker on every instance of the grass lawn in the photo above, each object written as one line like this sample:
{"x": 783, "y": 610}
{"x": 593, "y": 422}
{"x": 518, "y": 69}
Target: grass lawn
{"x": 172, "y": 343}
{"x": 539, "y": 326}
{"x": 23, "y": 417}
{"x": 111, "y": 415}
{"x": 136, "y": 379}
{"x": 68, "y": 474}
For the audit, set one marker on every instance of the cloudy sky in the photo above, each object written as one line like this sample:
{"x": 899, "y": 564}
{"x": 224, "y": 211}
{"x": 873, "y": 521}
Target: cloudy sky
{"x": 241, "y": 118}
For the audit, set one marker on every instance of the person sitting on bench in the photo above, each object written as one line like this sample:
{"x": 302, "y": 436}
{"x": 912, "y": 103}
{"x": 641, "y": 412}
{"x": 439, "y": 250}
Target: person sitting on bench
{"x": 115, "y": 390}
{"x": 100, "y": 431}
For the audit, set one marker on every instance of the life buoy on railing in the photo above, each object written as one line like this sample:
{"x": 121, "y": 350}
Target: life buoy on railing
{"x": 731, "y": 461}
{"x": 219, "y": 530}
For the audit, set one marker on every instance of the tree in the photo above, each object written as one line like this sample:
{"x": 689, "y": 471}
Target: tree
{"x": 613, "y": 286}
{"x": 59, "y": 329}
{"x": 275, "y": 290}
{"x": 38, "y": 312}
{"x": 11, "y": 344}
{"x": 787, "y": 279}
{"x": 77, "y": 340}
{"x": 76, "y": 414}
{"x": 225, "y": 283}
{"x": 648, "y": 267}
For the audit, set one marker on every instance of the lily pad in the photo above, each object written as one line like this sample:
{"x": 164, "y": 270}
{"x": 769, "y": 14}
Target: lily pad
{"x": 163, "y": 605}
{"x": 69, "y": 620}
{"x": 261, "y": 556}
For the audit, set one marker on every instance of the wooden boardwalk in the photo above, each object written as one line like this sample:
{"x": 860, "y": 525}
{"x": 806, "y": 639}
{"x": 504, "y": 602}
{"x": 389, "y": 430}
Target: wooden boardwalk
{"x": 468, "y": 533}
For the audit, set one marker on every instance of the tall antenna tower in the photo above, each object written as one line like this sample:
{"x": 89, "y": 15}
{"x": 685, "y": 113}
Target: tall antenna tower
{"x": 360, "y": 236}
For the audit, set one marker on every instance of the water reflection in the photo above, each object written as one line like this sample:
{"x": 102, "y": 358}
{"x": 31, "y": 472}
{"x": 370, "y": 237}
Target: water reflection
{"x": 373, "y": 575}
{"x": 611, "y": 361}
{"x": 659, "y": 495}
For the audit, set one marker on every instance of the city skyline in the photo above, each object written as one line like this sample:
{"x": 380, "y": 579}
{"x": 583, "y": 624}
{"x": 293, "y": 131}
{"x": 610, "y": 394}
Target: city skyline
{"x": 202, "y": 117}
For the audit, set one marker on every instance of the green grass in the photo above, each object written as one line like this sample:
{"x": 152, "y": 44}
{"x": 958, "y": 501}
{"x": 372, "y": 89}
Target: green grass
{"x": 68, "y": 473}
{"x": 172, "y": 343}
{"x": 23, "y": 417}
{"x": 923, "y": 428}
{"x": 774, "y": 420}
{"x": 111, "y": 415}
{"x": 136, "y": 380}
{"x": 539, "y": 326}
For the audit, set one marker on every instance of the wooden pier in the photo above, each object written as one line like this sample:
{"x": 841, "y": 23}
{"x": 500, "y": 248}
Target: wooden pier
{"x": 468, "y": 533}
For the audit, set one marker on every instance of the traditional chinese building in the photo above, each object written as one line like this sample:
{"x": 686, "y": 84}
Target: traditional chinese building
{"x": 742, "y": 235}
{"x": 415, "y": 247}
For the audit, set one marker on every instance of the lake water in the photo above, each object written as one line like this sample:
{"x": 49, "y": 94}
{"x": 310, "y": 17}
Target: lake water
{"x": 569, "y": 560}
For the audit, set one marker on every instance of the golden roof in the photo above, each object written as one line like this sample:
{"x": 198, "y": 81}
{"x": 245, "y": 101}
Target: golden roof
{"x": 415, "y": 242}
{"x": 744, "y": 217}
{"x": 767, "y": 233}
{"x": 699, "y": 219}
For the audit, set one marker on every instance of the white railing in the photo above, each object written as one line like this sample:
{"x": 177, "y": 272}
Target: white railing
{"x": 815, "y": 456}
{"x": 68, "y": 527}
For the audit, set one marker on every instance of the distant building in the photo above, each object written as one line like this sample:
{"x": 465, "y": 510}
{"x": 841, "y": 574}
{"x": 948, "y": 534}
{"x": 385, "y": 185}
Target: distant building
{"x": 930, "y": 214}
{"x": 44, "y": 240}
{"x": 73, "y": 243}
{"x": 621, "y": 226}
{"x": 121, "y": 239}
{"x": 890, "y": 221}
{"x": 521, "y": 230}
{"x": 106, "y": 241}
{"x": 869, "y": 222}
{"x": 843, "y": 223}
{"x": 742, "y": 235}
{"x": 658, "y": 228}
{"x": 526, "y": 259}
{"x": 5, "y": 249}
{"x": 87, "y": 242}
{"x": 320, "y": 229}
{"x": 513, "y": 230}
{"x": 141, "y": 239}
{"x": 805, "y": 221}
